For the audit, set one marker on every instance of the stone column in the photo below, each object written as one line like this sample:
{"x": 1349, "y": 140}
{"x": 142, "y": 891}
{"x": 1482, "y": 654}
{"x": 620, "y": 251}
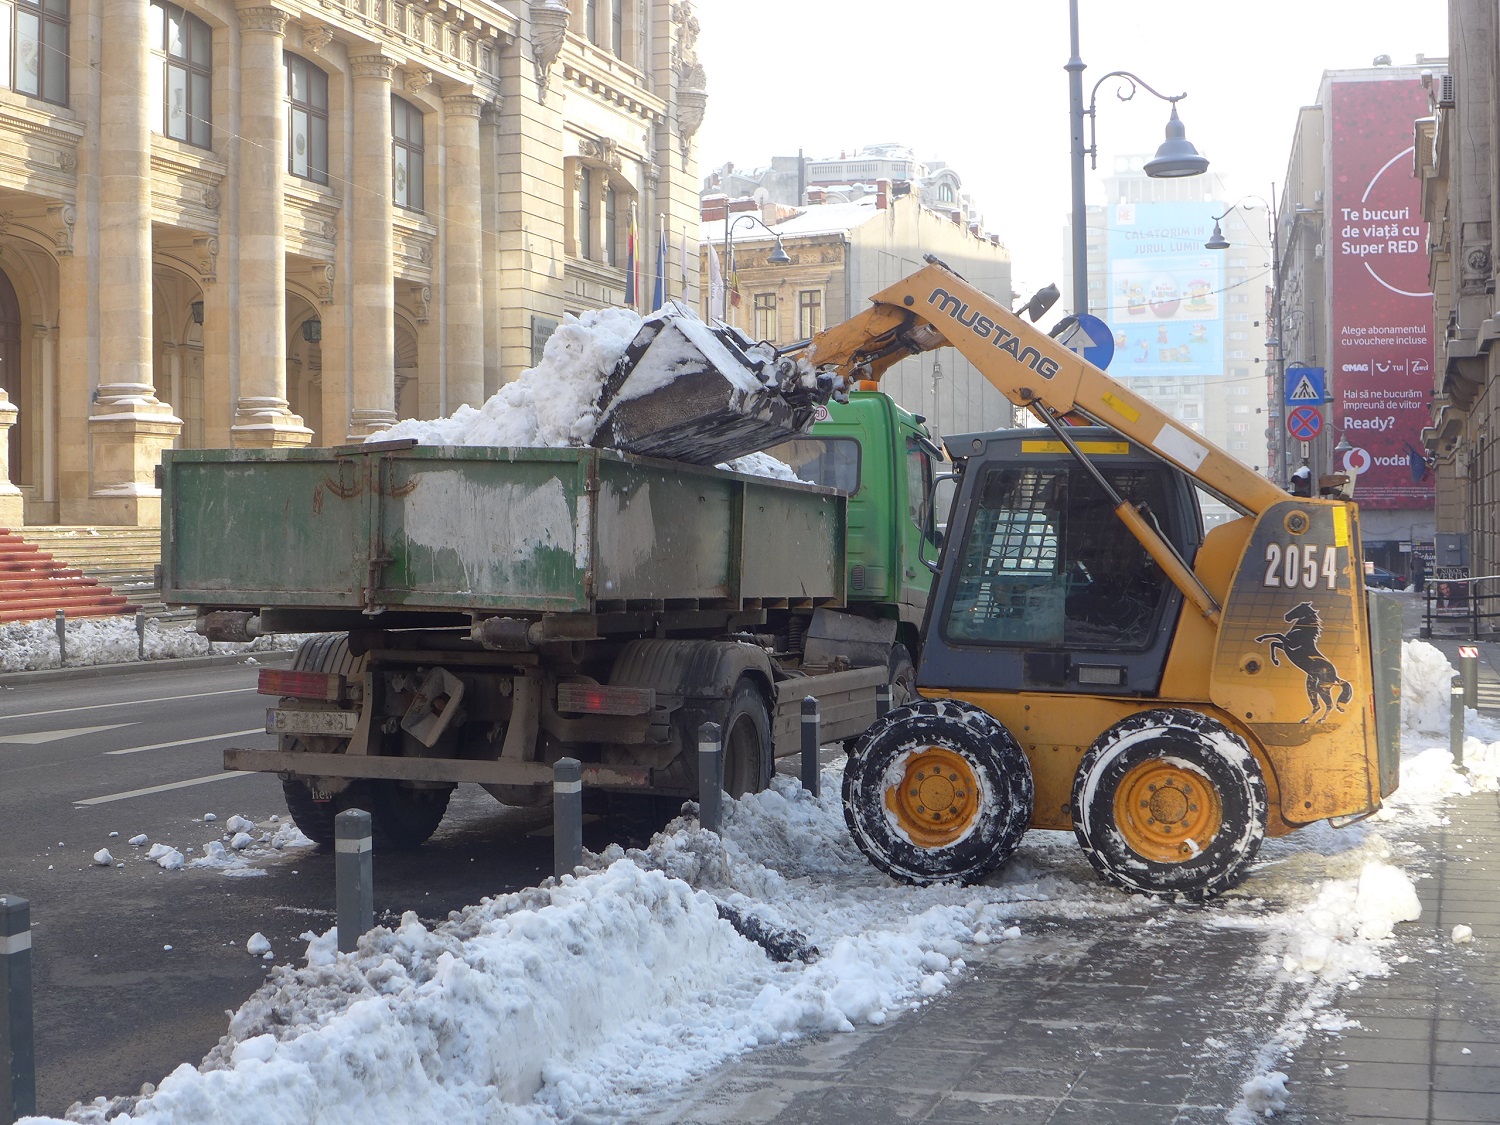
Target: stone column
{"x": 374, "y": 346}
{"x": 463, "y": 290}
{"x": 128, "y": 425}
{"x": 10, "y": 496}
{"x": 46, "y": 349}
{"x": 262, "y": 417}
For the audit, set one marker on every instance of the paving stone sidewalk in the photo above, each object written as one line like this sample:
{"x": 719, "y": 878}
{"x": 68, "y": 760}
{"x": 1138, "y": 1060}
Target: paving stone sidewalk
{"x": 1088, "y": 1021}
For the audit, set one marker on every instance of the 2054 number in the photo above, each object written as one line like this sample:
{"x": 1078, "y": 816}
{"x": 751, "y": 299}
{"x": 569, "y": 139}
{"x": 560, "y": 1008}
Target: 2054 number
{"x": 1301, "y": 567}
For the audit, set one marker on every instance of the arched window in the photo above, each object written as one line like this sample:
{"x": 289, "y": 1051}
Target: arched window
{"x": 306, "y": 119}
{"x": 34, "y": 58}
{"x": 182, "y": 76}
{"x": 406, "y": 154}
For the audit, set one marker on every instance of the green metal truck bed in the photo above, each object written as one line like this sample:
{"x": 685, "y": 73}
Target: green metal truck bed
{"x": 405, "y": 528}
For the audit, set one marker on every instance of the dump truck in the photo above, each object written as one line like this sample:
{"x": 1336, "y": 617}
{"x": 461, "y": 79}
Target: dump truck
{"x": 479, "y": 613}
{"x": 1092, "y": 658}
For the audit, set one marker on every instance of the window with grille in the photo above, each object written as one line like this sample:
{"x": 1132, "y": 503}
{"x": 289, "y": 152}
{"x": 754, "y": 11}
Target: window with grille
{"x": 34, "y": 55}
{"x": 407, "y": 179}
{"x": 1047, "y": 562}
{"x": 306, "y": 119}
{"x": 182, "y": 74}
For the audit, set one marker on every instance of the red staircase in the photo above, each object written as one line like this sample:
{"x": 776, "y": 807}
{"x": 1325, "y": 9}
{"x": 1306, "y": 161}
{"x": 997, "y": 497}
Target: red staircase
{"x": 34, "y": 586}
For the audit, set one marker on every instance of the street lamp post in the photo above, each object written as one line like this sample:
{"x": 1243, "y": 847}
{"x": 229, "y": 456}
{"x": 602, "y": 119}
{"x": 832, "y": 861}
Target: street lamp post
{"x": 1176, "y": 156}
{"x": 777, "y": 257}
{"x": 1217, "y": 241}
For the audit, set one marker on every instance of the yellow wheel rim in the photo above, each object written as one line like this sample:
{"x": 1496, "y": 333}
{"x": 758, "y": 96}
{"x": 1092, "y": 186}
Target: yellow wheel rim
{"x": 1167, "y": 813}
{"x": 938, "y": 798}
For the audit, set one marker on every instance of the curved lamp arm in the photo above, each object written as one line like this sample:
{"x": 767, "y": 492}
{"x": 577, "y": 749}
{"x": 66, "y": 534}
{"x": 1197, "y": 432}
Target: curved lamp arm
{"x": 1134, "y": 81}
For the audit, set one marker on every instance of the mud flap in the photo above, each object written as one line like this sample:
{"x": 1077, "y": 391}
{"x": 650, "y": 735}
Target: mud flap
{"x": 706, "y": 393}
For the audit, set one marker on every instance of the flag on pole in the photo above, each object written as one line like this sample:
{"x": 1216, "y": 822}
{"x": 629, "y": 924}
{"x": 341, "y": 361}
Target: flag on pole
{"x": 659, "y": 294}
{"x": 734, "y": 279}
{"x": 631, "y": 298}
{"x": 715, "y": 283}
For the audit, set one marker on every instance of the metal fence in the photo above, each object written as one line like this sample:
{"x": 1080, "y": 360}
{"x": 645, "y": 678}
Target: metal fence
{"x": 1461, "y": 607}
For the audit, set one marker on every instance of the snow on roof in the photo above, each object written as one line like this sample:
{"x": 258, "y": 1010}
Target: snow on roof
{"x": 822, "y": 218}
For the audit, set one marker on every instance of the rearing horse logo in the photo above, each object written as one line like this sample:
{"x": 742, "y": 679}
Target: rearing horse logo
{"x": 1300, "y": 644}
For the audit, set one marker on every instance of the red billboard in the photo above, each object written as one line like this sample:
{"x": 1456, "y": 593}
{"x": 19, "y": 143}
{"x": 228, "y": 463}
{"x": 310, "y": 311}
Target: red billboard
{"x": 1381, "y": 327}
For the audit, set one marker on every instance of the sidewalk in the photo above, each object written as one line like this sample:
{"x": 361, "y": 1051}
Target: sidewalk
{"x": 1151, "y": 1024}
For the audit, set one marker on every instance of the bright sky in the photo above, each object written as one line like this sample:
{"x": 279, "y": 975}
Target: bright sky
{"x": 980, "y": 84}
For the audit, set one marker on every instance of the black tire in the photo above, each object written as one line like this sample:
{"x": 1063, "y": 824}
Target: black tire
{"x": 401, "y": 818}
{"x": 313, "y": 818}
{"x": 1170, "y": 804}
{"x": 748, "y": 759}
{"x": 978, "y": 771}
{"x": 902, "y": 678}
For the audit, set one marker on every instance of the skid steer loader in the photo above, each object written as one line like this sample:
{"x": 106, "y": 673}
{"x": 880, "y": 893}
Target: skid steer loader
{"x": 1092, "y": 658}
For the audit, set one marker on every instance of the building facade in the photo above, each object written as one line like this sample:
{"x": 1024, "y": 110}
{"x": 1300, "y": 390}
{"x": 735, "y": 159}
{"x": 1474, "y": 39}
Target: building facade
{"x": 274, "y": 223}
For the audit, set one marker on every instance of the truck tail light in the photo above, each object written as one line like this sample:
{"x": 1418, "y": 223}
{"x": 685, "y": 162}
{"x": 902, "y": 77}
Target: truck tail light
{"x": 598, "y": 699}
{"x": 328, "y": 686}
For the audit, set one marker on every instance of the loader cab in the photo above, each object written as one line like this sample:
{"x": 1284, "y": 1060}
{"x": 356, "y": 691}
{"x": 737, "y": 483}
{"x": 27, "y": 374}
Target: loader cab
{"x": 884, "y": 458}
{"x": 1042, "y": 587}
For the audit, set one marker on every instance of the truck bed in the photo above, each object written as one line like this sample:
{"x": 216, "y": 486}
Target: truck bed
{"x": 406, "y": 529}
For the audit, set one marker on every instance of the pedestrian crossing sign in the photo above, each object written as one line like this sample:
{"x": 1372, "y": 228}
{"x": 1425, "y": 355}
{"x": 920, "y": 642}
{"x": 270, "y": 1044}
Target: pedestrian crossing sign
{"x": 1305, "y": 386}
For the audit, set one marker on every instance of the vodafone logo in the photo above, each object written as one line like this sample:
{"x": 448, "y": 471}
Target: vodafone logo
{"x": 1356, "y": 461}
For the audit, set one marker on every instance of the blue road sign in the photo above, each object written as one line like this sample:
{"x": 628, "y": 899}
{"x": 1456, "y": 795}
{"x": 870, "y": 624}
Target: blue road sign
{"x": 1306, "y": 386}
{"x": 1091, "y": 338}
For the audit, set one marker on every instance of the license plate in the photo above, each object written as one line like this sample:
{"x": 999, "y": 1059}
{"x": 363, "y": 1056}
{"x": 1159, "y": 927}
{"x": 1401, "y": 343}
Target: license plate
{"x": 280, "y": 721}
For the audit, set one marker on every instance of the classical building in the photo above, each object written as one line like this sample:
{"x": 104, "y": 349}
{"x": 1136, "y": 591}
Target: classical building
{"x": 842, "y": 253}
{"x": 273, "y": 223}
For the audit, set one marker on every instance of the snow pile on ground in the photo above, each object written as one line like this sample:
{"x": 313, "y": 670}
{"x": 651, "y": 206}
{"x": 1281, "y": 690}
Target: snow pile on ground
{"x": 1426, "y": 689}
{"x": 594, "y": 997}
{"x": 239, "y": 850}
{"x": 26, "y": 646}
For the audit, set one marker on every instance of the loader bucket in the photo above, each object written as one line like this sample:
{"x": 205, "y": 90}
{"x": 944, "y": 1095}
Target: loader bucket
{"x": 705, "y": 393}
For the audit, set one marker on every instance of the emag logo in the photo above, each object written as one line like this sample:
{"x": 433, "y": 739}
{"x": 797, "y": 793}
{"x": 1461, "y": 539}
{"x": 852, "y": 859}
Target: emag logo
{"x": 1365, "y": 367}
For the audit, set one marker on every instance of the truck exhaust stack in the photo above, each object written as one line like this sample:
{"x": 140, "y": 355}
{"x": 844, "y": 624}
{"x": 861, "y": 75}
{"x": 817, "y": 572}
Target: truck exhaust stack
{"x": 706, "y": 393}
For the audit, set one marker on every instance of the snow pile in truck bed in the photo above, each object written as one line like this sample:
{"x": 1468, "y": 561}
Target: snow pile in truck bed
{"x": 555, "y": 404}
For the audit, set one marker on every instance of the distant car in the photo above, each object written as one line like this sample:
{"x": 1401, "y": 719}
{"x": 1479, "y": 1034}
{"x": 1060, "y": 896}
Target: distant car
{"x": 1380, "y": 578}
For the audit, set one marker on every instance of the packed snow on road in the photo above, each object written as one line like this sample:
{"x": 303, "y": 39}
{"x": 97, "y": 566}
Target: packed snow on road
{"x": 599, "y": 996}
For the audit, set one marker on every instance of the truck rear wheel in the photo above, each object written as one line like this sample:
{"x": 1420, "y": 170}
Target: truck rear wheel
{"x": 938, "y": 791}
{"x": 1170, "y": 804}
{"x": 313, "y": 818}
{"x": 400, "y": 818}
{"x": 747, "y": 741}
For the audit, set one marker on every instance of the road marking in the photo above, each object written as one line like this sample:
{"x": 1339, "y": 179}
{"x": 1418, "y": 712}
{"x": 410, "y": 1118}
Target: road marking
{"x": 127, "y": 703}
{"x": 163, "y": 788}
{"x": 188, "y": 741}
{"x": 44, "y": 736}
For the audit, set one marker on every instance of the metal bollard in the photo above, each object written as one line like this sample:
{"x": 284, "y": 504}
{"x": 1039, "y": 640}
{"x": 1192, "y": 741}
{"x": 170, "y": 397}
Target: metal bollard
{"x": 1468, "y": 668}
{"x": 353, "y": 876}
{"x": 18, "y": 1079}
{"x": 567, "y": 816}
{"x": 1456, "y": 722}
{"x": 882, "y": 701}
{"x": 812, "y": 731}
{"x": 710, "y": 777}
{"x": 140, "y": 634}
{"x": 62, "y": 639}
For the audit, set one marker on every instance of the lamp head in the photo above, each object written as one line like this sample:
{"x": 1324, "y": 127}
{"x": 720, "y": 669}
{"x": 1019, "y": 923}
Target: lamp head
{"x": 1176, "y": 156}
{"x": 778, "y": 256}
{"x": 1216, "y": 241}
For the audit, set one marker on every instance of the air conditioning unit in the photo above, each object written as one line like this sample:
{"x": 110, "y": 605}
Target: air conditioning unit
{"x": 1447, "y": 92}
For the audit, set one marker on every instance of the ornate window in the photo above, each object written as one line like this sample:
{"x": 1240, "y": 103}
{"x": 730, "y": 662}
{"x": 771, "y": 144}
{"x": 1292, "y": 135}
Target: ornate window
{"x": 406, "y": 154}
{"x": 306, "y": 119}
{"x": 183, "y": 75}
{"x": 34, "y": 48}
{"x": 585, "y": 213}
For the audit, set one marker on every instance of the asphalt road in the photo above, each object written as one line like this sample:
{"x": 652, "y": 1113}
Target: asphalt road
{"x": 134, "y": 966}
